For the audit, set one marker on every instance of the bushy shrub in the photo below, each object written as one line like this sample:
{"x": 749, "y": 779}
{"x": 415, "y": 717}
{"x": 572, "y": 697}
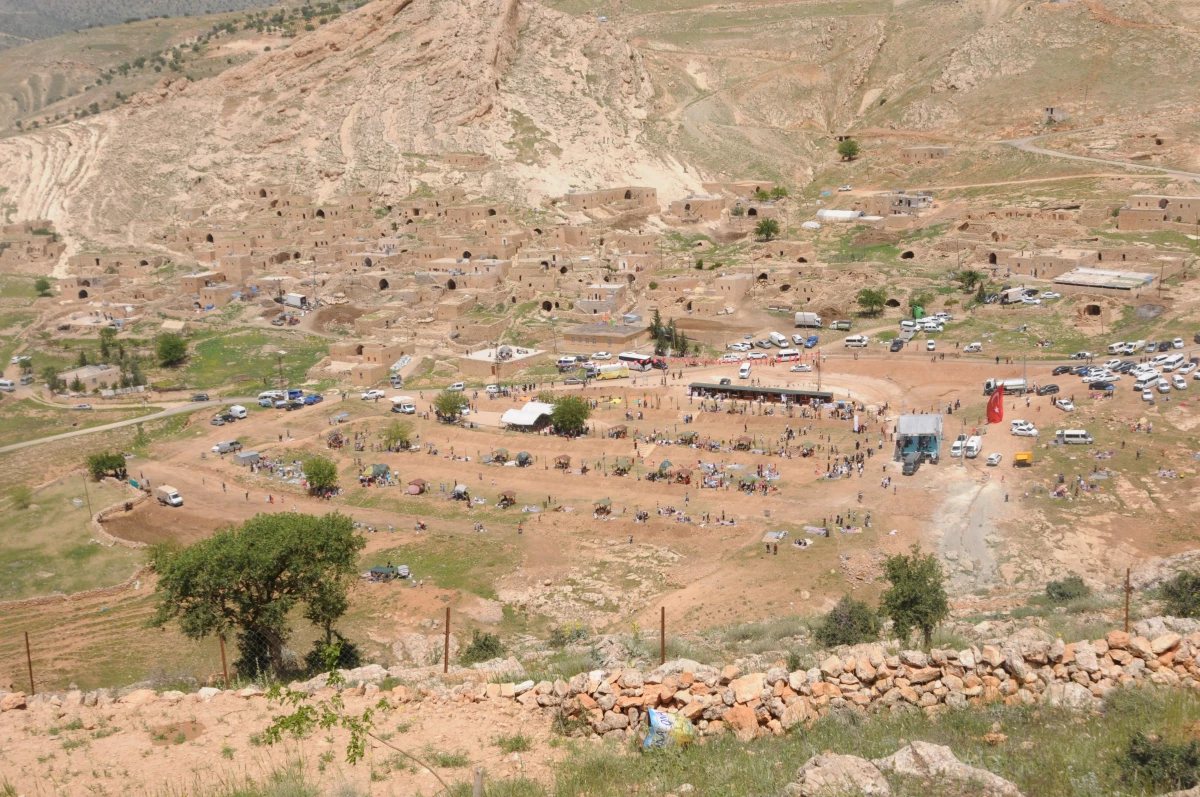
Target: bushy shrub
{"x": 483, "y": 647}
{"x": 1067, "y": 590}
{"x": 1182, "y": 595}
{"x": 848, "y": 623}
{"x": 1160, "y": 763}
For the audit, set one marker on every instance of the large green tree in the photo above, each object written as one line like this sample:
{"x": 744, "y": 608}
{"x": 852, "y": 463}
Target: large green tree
{"x": 106, "y": 463}
{"x": 848, "y": 623}
{"x": 871, "y": 300}
{"x": 570, "y": 415}
{"x": 916, "y": 599}
{"x": 398, "y": 433}
{"x": 42, "y": 286}
{"x": 250, "y": 578}
{"x": 848, "y": 149}
{"x": 321, "y": 472}
{"x": 969, "y": 278}
{"x": 449, "y": 403}
{"x": 170, "y": 348}
{"x": 766, "y": 229}
{"x": 1182, "y": 594}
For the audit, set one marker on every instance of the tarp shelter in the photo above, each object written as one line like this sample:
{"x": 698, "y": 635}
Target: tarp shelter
{"x": 507, "y": 499}
{"x": 604, "y": 506}
{"x": 743, "y": 443}
{"x": 534, "y": 415}
{"x": 622, "y": 465}
{"x": 417, "y": 486}
{"x": 381, "y": 573}
{"x": 687, "y": 438}
{"x": 664, "y": 466}
{"x": 524, "y": 459}
{"x": 684, "y": 475}
{"x": 246, "y": 458}
{"x": 919, "y": 434}
{"x": 562, "y": 461}
{"x": 748, "y": 480}
{"x": 460, "y": 492}
{"x": 618, "y": 431}
{"x": 500, "y": 455}
{"x": 377, "y": 471}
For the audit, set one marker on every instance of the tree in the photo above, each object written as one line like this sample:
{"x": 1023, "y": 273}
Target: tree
{"x": 969, "y": 278}
{"x": 399, "y": 432}
{"x": 1067, "y": 590}
{"x": 767, "y": 229}
{"x": 170, "y": 348}
{"x": 106, "y": 463}
{"x": 872, "y": 300}
{"x": 26, "y": 365}
{"x": 761, "y": 195}
{"x": 82, "y": 360}
{"x": 42, "y": 286}
{"x": 738, "y": 210}
{"x": 108, "y": 336}
{"x": 848, "y": 623}
{"x": 1182, "y": 595}
{"x": 51, "y": 378}
{"x": 321, "y": 472}
{"x": 916, "y": 598}
{"x": 77, "y": 385}
{"x": 848, "y": 149}
{"x": 449, "y": 404}
{"x": 21, "y": 496}
{"x": 778, "y": 192}
{"x": 570, "y": 415}
{"x": 251, "y": 577}
{"x": 656, "y": 324}
{"x": 918, "y": 300}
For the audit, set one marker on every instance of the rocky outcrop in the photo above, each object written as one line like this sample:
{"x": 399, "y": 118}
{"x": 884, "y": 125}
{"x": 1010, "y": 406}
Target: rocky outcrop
{"x": 936, "y": 763}
{"x": 831, "y": 775}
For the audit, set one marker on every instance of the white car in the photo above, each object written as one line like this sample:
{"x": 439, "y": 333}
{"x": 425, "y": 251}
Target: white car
{"x": 801, "y": 368}
{"x": 930, "y": 345}
{"x": 1111, "y": 364}
{"x": 1065, "y": 405}
{"x": 601, "y": 355}
{"x": 1177, "y": 343}
{"x": 1148, "y": 395}
{"x": 731, "y": 358}
{"x": 943, "y": 317}
{"x": 739, "y": 346}
{"x": 492, "y": 390}
{"x": 1030, "y": 300}
{"x": 1163, "y": 386}
{"x": 972, "y": 348}
{"x": 1028, "y": 430}
{"x": 1186, "y": 369}
{"x": 1051, "y": 295}
{"x": 908, "y": 324}
{"x": 798, "y": 340}
{"x": 373, "y": 394}
{"x": 1099, "y": 376}
{"x": 756, "y": 355}
{"x": 1178, "y": 382}
{"x": 457, "y": 387}
{"x": 994, "y": 459}
{"x": 845, "y": 188}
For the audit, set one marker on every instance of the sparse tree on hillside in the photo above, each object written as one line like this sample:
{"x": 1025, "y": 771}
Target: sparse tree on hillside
{"x": 171, "y": 349}
{"x": 251, "y": 578}
{"x": 969, "y": 278}
{"x": 1182, "y": 595}
{"x": 766, "y": 229}
{"x": 848, "y": 149}
{"x": 21, "y": 496}
{"x": 916, "y": 599}
{"x": 872, "y": 300}
{"x": 570, "y": 415}
{"x": 778, "y": 192}
{"x": 108, "y": 337}
{"x": 321, "y": 473}
{"x": 42, "y": 286}
{"x": 449, "y": 404}
{"x": 51, "y": 378}
{"x": 848, "y": 623}
{"x": 106, "y": 463}
{"x": 399, "y": 433}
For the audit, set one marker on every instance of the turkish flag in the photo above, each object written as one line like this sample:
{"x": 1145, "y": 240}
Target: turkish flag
{"x": 995, "y": 407}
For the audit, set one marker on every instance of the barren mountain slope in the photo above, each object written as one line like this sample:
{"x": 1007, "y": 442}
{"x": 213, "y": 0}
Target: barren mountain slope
{"x": 359, "y": 104}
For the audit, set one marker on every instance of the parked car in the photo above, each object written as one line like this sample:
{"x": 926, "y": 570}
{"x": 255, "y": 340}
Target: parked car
{"x": 601, "y": 355}
{"x": 1178, "y": 382}
{"x": 372, "y": 394}
{"x": 994, "y": 459}
{"x": 756, "y": 355}
{"x": 1030, "y": 300}
{"x": 1080, "y": 355}
{"x": 725, "y": 381}
{"x": 217, "y": 421}
{"x": 1023, "y": 429}
{"x": 1148, "y": 395}
{"x": 930, "y": 345}
{"x": 844, "y": 188}
{"x": 763, "y": 344}
{"x": 896, "y": 346}
{"x": 313, "y": 399}
{"x": 457, "y": 387}
{"x": 1060, "y": 370}
{"x": 1163, "y": 386}
{"x": 1151, "y": 347}
{"x": 200, "y": 397}
{"x": 1065, "y": 405}
{"x": 1051, "y": 295}
{"x": 972, "y": 348}
{"x": 1177, "y": 343}
{"x": 801, "y": 368}
{"x": 1047, "y": 390}
{"x": 1101, "y": 386}
{"x": 82, "y": 407}
{"x": 492, "y": 390}
{"x": 573, "y": 380}
{"x": 1186, "y": 369}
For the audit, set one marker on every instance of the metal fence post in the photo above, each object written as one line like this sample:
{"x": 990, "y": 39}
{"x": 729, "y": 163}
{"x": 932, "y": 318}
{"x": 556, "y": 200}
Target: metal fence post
{"x": 29, "y": 663}
{"x": 477, "y": 787}
{"x": 662, "y": 636}
{"x": 446, "y": 652}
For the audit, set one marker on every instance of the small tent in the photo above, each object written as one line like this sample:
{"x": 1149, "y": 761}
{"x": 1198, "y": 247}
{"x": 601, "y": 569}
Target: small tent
{"x": 604, "y": 506}
{"x": 507, "y": 499}
{"x": 562, "y": 461}
{"x": 524, "y": 459}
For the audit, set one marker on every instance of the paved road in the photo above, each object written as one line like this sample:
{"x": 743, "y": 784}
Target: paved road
{"x": 1027, "y": 145}
{"x": 183, "y": 408}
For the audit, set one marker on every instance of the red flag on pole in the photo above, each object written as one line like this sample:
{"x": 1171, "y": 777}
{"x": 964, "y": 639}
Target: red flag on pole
{"x": 995, "y": 406}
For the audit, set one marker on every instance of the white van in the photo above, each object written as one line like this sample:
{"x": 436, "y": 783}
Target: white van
{"x": 1116, "y": 348}
{"x": 857, "y": 341}
{"x": 238, "y": 411}
{"x": 1074, "y": 437}
{"x": 1145, "y": 381}
{"x": 956, "y": 450}
{"x": 788, "y": 355}
{"x": 7, "y": 385}
{"x": 404, "y": 404}
{"x": 1173, "y": 362}
{"x": 744, "y": 371}
{"x": 973, "y": 447}
{"x": 971, "y": 348}
{"x": 779, "y": 340}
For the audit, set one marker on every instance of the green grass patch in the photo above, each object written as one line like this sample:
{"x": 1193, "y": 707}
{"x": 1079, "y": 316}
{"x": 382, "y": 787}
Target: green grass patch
{"x": 26, "y": 419}
{"x": 248, "y": 359}
{"x": 454, "y": 561}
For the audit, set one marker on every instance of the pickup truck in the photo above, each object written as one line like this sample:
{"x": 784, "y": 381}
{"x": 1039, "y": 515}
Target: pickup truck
{"x": 168, "y": 496}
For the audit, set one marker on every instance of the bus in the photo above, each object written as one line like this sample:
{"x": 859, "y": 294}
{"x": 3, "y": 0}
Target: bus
{"x": 635, "y": 361}
{"x": 614, "y": 371}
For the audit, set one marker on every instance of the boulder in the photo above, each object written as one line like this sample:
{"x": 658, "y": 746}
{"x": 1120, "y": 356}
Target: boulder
{"x": 794, "y": 714}
{"x": 522, "y": 688}
{"x": 498, "y": 668}
{"x": 1164, "y": 643}
{"x": 13, "y": 701}
{"x": 207, "y": 693}
{"x": 743, "y": 721}
{"x": 1085, "y": 657}
{"x": 139, "y": 696}
{"x": 936, "y": 763}
{"x": 832, "y": 667}
{"x": 631, "y": 679}
{"x": 914, "y": 658}
{"x": 748, "y": 687}
{"x": 1070, "y": 695}
{"x": 1117, "y": 640}
{"x": 832, "y": 775}
{"x": 797, "y": 680}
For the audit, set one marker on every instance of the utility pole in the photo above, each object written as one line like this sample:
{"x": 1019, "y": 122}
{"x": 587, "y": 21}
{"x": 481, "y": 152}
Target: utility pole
{"x": 1128, "y": 589}
{"x": 87, "y": 495}
{"x": 280, "y": 356}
